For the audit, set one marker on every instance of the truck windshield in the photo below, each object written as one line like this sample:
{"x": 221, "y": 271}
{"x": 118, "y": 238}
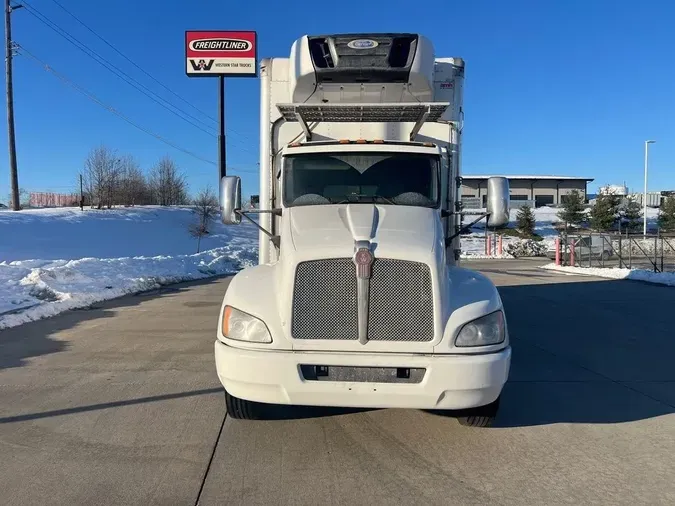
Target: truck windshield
{"x": 341, "y": 178}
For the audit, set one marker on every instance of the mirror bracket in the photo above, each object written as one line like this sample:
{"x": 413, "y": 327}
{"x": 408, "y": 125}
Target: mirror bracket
{"x": 276, "y": 240}
{"x": 448, "y": 240}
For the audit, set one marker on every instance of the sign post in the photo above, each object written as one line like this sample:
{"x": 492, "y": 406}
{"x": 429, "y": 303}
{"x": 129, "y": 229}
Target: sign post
{"x": 221, "y": 54}
{"x": 221, "y": 128}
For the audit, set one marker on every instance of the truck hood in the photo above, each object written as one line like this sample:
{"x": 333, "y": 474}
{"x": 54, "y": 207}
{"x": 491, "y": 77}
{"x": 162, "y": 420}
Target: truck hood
{"x": 395, "y": 231}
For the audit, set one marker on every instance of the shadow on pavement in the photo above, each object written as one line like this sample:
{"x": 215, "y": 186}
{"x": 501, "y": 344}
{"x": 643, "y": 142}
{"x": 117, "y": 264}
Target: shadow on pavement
{"x": 281, "y": 412}
{"x": 34, "y": 339}
{"x": 588, "y": 352}
{"x": 583, "y": 352}
{"x": 107, "y": 405}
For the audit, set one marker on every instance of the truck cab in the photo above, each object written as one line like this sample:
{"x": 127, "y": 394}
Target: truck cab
{"x": 358, "y": 299}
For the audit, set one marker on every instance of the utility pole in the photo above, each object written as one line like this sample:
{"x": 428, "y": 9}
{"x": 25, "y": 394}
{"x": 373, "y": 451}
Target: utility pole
{"x": 81, "y": 195}
{"x": 9, "y": 53}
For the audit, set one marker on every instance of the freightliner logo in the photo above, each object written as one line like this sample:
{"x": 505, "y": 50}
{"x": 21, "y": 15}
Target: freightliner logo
{"x": 220, "y": 45}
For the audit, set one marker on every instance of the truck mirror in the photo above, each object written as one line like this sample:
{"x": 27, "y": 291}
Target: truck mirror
{"x": 230, "y": 200}
{"x": 498, "y": 198}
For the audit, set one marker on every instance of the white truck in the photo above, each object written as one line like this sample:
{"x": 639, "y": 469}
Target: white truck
{"x": 358, "y": 299}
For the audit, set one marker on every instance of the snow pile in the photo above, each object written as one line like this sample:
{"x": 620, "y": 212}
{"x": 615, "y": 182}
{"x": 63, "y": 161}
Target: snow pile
{"x": 527, "y": 248}
{"x": 474, "y": 243}
{"x": 480, "y": 256}
{"x": 662, "y": 278}
{"x": 638, "y": 246}
{"x": 42, "y": 272}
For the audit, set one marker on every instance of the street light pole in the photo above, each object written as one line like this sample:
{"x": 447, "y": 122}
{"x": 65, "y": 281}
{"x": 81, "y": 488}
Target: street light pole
{"x": 644, "y": 197}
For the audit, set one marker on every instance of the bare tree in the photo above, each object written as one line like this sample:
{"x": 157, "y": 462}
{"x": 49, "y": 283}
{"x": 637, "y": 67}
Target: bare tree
{"x": 169, "y": 186}
{"x": 24, "y": 198}
{"x": 132, "y": 183}
{"x": 205, "y": 208}
{"x": 94, "y": 175}
{"x": 101, "y": 175}
{"x": 112, "y": 184}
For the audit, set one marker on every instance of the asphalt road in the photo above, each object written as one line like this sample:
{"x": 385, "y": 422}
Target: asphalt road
{"x": 120, "y": 404}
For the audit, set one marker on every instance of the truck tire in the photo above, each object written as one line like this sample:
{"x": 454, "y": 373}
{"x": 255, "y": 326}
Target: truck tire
{"x": 242, "y": 409}
{"x": 483, "y": 416}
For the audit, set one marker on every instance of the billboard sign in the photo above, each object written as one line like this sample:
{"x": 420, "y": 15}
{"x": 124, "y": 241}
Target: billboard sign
{"x": 220, "y": 53}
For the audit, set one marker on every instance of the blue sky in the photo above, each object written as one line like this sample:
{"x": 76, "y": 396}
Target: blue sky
{"x": 569, "y": 87}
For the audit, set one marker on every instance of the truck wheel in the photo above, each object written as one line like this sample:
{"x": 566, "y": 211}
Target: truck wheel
{"x": 242, "y": 409}
{"x": 483, "y": 416}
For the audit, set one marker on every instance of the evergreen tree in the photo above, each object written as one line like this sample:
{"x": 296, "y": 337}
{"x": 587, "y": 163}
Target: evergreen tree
{"x": 525, "y": 221}
{"x": 667, "y": 215}
{"x": 572, "y": 209}
{"x": 604, "y": 212}
{"x": 633, "y": 214}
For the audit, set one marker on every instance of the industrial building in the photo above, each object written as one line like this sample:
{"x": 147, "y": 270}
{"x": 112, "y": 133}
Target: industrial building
{"x": 536, "y": 191}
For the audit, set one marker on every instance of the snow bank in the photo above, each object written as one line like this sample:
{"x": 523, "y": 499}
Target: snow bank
{"x": 662, "y": 278}
{"x": 480, "y": 256}
{"x": 34, "y": 289}
{"x": 53, "y": 260}
{"x": 68, "y": 233}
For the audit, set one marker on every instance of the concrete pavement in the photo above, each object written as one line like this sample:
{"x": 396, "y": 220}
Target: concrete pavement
{"x": 120, "y": 405}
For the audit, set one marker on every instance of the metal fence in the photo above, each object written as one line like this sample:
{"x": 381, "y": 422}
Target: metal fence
{"x": 49, "y": 199}
{"x": 654, "y": 252}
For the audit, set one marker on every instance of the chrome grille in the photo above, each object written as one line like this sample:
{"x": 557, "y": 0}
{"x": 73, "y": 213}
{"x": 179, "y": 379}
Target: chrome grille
{"x": 400, "y": 303}
{"x": 324, "y": 300}
{"x": 401, "y": 306}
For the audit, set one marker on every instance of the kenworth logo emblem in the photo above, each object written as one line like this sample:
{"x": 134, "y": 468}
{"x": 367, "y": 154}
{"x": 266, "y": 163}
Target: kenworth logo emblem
{"x": 362, "y": 44}
{"x": 220, "y": 45}
{"x": 363, "y": 259}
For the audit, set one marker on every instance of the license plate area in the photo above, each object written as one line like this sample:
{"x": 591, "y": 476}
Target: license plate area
{"x": 362, "y": 374}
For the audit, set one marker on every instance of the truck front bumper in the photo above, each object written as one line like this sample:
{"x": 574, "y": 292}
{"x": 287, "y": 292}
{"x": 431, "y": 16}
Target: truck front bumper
{"x": 449, "y": 382}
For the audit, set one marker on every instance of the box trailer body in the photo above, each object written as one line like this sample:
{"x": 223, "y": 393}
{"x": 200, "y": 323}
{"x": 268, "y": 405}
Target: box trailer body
{"x": 358, "y": 299}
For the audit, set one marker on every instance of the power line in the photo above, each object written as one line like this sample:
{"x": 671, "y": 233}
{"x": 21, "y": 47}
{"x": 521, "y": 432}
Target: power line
{"x": 132, "y": 62}
{"x": 244, "y": 137}
{"x": 92, "y": 97}
{"x": 115, "y": 70}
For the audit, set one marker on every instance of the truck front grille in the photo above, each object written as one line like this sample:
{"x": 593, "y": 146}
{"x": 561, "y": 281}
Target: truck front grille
{"x": 400, "y": 305}
{"x": 324, "y": 300}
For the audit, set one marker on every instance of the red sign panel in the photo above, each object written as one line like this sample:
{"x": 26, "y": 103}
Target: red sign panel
{"x": 218, "y": 53}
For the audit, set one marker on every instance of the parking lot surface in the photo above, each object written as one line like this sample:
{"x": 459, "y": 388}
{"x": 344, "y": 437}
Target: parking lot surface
{"x": 120, "y": 404}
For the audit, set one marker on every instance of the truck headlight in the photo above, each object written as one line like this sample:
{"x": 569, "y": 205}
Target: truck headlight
{"x": 483, "y": 331}
{"x": 244, "y": 327}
